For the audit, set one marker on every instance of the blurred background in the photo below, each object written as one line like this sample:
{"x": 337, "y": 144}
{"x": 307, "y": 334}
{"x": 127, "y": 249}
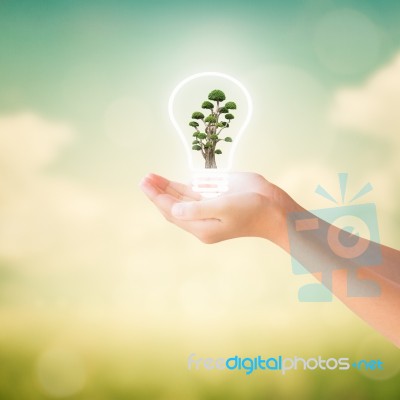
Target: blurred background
{"x": 101, "y": 298}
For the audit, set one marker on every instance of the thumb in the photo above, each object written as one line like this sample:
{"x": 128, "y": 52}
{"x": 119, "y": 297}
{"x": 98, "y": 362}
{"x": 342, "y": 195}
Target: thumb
{"x": 195, "y": 210}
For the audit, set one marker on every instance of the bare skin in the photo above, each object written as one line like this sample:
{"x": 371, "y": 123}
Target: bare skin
{"x": 255, "y": 207}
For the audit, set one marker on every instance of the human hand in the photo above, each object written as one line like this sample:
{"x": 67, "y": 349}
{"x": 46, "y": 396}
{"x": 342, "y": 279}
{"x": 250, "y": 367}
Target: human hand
{"x": 255, "y": 207}
{"x": 252, "y": 207}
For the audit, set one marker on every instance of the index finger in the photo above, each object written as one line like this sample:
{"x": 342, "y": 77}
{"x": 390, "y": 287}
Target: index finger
{"x": 176, "y": 189}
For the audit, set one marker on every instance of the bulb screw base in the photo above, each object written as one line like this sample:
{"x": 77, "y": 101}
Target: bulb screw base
{"x": 210, "y": 182}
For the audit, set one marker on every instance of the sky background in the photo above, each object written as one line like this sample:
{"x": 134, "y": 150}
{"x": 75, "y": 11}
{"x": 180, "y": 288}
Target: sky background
{"x": 99, "y": 296}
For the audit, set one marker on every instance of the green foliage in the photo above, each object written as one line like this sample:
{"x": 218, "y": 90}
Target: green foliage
{"x": 197, "y": 115}
{"x": 207, "y": 105}
{"x": 216, "y": 95}
{"x": 206, "y": 142}
{"x": 211, "y": 118}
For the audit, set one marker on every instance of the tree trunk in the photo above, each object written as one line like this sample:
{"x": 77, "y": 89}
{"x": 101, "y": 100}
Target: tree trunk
{"x": 210, "y": 158}
{"x": 209, "y": 152}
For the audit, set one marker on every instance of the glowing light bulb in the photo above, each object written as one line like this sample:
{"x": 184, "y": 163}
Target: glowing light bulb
{"x": 186, "y": 98}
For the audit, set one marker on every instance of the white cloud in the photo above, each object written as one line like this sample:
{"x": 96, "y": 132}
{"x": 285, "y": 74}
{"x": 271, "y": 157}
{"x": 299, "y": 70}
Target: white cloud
{"x": 374, "y": 107}
{"x": 28, "y": 142}
{"x": 39, "y": 214}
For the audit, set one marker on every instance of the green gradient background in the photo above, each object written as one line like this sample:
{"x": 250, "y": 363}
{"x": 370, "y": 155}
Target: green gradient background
{"x": 100, "y": 298}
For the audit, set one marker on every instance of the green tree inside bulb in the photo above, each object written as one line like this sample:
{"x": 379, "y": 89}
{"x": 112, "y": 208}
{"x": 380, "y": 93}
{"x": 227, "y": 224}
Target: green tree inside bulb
{"x": 206, "y": 142}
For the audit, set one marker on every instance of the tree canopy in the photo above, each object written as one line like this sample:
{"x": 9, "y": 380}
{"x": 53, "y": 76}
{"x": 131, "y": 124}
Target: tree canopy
{"x": 230, "y": 105}
{"x": 197, "y": 115}
{"x": 217, "y": 95}
{"x": 207, "y": 105}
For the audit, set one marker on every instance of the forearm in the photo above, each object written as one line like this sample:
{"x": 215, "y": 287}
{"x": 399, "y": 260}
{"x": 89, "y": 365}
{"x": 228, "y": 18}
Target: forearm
{"x": 381, "y": 312}
{"x": 312, "y": 250}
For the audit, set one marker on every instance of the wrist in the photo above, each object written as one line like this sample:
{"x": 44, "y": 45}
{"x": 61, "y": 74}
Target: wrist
{"x": 280, "y": 205}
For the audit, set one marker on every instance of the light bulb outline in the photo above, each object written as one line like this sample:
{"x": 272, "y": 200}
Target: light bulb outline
{"x": 241, "y": 129}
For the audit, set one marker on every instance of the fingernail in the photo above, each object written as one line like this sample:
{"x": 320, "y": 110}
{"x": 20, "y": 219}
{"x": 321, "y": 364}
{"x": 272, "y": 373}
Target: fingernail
{"x": 147, "y": 188}
{"x": 143, "y": 181}
{"x": 178, "y": 210}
